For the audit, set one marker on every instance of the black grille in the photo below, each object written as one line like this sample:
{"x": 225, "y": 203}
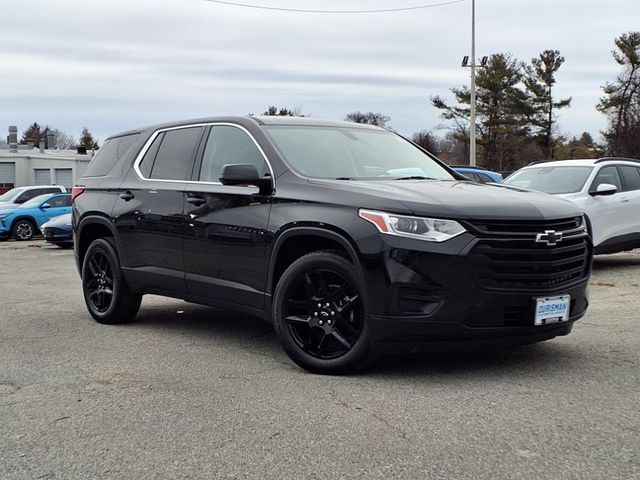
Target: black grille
{"x": 508, "y": 256}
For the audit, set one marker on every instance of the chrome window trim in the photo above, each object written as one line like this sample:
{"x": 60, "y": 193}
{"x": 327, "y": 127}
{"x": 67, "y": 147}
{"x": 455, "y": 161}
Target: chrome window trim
{"x": 147, "y": 145}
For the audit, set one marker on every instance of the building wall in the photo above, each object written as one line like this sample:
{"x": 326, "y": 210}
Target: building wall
{"x": 26, "y": 164}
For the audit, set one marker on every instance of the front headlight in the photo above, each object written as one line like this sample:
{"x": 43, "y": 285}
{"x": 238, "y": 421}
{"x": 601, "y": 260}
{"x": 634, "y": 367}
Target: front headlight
{"x": 429, "y": 229}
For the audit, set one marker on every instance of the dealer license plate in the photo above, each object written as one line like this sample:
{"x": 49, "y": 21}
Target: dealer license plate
{"x": 552, "y": 310}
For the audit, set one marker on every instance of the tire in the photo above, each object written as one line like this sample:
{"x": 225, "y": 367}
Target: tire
{"x": 106, "y": 294}
{"x": 319, "y": 315}
{"x": 23, "y": 230}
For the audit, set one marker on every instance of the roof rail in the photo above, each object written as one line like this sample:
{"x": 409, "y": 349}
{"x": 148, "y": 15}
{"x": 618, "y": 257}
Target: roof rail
{"x": 608, "y": 159}
{"x": 476, "y": 167}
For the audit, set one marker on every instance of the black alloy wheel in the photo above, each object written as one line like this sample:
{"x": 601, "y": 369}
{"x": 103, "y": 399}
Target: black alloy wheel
{"x": 319, "y": 314}
{"x": 23, "y": 230}
{"x": 106, "y": 293}
{"x": 99, "y": 284}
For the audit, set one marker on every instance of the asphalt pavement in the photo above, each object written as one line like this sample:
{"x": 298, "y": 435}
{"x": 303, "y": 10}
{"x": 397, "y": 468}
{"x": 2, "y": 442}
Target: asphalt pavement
{"x": 191, "y": 392}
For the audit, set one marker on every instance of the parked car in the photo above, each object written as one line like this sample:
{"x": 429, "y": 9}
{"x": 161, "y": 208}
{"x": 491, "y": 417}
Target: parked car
{"x": 606, "y": 189}
{"x": 23, "y": 221}
{"x": 19, "y": 195}
{"x": 308, "y": 224}
{"x": 479, "y": 174}
{"x": 58, "y": 231}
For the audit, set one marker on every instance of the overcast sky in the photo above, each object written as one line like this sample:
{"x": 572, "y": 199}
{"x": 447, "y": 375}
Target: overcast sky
{"x": 117, "y": 64}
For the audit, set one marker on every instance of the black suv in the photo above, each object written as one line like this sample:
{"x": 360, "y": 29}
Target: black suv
{"x": 347, "y": 237}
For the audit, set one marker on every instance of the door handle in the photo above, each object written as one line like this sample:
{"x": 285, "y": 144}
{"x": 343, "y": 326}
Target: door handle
{"x": 126, "y": 196}
{"x": 625, "y": 200}
{"x": 197, "y": 201}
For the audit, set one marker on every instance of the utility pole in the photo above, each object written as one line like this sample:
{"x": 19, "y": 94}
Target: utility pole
{"x": 472, "y": 127}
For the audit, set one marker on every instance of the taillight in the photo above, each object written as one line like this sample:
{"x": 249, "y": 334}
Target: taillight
{"x": 75, "y": 192}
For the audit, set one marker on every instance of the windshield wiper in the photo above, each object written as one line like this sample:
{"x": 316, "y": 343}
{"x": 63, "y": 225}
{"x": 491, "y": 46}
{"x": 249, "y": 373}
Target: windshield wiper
{"x": 415, "y": 177}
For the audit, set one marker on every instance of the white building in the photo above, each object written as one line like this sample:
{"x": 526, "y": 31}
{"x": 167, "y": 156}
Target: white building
{"x": 32, "y": 167}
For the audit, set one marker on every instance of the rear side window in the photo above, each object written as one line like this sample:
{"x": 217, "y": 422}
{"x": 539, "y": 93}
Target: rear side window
{"x": 150, "y": 156}
{"x": 112, "y": 151}
{"x": 29, "y": 194}
{"x": 51, "y": 190}
{"x": 60, "y": 201}
{"x": 630, "y": 177}
{"x": 176, "y": 153}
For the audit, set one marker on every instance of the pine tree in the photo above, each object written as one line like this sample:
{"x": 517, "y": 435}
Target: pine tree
{"x": 87, "y": 140}
{"x": 539, "y": 81}
{"x": 32, "y": 134}
{"x": 502, "y": 112}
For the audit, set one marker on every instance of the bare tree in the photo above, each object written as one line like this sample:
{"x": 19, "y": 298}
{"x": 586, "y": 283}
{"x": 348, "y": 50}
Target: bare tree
{"x": 369, "y": 118}
{"x": 63, "y": 140}
{"x": 621, "y": 101}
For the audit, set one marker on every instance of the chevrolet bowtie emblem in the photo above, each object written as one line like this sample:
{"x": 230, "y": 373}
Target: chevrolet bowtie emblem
{"x": 550, "y": 237}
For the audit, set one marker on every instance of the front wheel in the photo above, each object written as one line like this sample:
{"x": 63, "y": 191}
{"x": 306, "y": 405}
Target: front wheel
{"x": 318, "y": 314}
{"x": 106, "y": 294}
{"x": 23, "y": 230}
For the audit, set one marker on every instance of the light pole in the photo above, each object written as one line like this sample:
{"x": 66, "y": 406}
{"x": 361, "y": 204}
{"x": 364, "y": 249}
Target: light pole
{"x": 472, "y": 128}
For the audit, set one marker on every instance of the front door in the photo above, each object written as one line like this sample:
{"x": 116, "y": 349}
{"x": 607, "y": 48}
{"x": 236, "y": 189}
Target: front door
{"x": 225, "y": 246}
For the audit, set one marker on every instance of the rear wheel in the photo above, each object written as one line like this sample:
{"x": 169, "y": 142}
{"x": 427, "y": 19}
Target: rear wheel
{"x": 106, "y": 294}
{"x": 319, "y": 314}
{"x": 23, "y": 230}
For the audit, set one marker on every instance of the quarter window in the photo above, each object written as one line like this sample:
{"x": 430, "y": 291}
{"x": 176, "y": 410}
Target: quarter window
{"x": 227, "y": 145}
{"x": 631, "y": 177}
{"x": 175, "y": 155}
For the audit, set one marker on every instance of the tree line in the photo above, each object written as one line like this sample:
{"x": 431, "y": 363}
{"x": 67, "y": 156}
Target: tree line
{"x": 36, "y": 133}
{"x": 517, "y": 113}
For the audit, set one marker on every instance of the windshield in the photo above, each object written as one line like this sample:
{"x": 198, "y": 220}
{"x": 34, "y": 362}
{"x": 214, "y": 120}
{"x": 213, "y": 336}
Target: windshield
{"x": 551, "y": 180}
{"x": 35, "y": 201}
{"x": 353, "y": 153}
{"x": 7, "y": 196}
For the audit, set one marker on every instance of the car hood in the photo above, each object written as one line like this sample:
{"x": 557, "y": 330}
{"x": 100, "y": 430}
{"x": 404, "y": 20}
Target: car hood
{"x": 60, "y": 220}
{"x": 454, "y": 199}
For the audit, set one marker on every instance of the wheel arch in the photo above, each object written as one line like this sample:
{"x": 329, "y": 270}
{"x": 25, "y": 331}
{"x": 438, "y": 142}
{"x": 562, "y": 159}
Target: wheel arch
{"x": 316, "y": 239}
{"x": 89, "y": 228}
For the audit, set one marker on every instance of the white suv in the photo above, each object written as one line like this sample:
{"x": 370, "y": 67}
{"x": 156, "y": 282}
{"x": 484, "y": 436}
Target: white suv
{"x": 19, "y": 195}
{"x": 607, "y": 190}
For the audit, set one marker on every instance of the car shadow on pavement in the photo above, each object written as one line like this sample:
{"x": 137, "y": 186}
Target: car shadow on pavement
{"x": 625, "y": 261}
{"x": 210, "y": 326}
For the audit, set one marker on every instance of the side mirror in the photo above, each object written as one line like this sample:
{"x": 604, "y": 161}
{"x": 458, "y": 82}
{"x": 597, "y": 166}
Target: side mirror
{"x": 45, "y": 206}
{"x": 245, "y": 174}
{"x": 604, "y": 189}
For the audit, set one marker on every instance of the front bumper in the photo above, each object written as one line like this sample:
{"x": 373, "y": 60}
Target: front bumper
{"x": 427, "y": 297}
{"x": 57, "y": 235}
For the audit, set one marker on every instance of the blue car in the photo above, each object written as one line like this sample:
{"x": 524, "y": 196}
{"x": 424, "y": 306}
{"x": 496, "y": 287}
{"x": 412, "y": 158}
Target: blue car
{"x": 58, "y": 231}
{"x": 24, "y": 221}
{"x": 478, "y": 174}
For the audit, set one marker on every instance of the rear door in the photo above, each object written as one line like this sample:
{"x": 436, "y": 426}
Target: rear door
{"x": 630, "y": 198}
{"x": 149, "y": 211}
{"x": 226, "y": 240}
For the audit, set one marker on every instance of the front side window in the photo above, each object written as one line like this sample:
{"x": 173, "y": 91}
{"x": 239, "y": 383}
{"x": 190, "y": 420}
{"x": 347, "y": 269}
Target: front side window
{"x": 348, "y": 152}
{"x": 228, "y": 145}
{"x": 175, "y": 154}
{"x": 608, "y": 175}
{"x": 552, "y": 180}
{"x": 631, "y": 177}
